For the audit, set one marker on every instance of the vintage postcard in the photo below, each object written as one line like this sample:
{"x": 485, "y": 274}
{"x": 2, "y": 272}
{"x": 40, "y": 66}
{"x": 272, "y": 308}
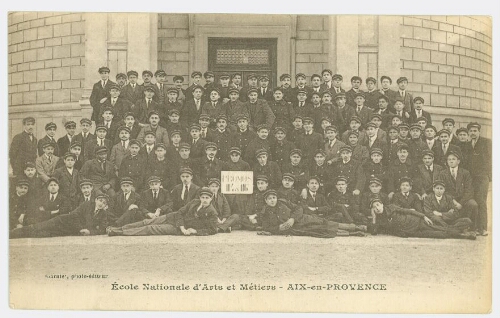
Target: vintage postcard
{"x": 250, "y": 162}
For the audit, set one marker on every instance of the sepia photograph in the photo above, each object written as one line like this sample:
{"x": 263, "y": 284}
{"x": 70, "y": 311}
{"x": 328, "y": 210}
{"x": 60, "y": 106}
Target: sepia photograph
{"x": 240, "y": 162}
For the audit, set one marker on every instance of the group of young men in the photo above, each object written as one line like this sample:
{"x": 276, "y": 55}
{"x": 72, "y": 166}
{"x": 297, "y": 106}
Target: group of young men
{"x": 326, "y": 162}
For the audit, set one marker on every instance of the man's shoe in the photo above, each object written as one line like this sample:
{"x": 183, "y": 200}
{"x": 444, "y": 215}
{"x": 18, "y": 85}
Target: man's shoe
{"x": 469, "y": 236}
{"x": 362, "y": 228}
{"x": 484, "y": 233}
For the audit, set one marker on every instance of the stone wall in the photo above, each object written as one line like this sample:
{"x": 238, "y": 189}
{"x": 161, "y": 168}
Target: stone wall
{"x": 173, "y": 45}
{"x": 311, "y": 44}
{"x": 46, "y": 67}
{"x": 448, "y": 62}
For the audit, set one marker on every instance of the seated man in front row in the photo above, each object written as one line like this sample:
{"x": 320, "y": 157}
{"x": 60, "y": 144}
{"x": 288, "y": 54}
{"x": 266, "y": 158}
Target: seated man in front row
{"x": 90, "y": 218}
{"x": 198, "y": 217}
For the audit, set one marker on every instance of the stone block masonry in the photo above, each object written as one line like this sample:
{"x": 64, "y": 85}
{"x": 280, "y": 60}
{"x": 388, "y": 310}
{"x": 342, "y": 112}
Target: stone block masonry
{"x": 46, "y": 48}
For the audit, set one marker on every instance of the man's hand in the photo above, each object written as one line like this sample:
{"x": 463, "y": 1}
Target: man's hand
{"x": 451, "y": 211}
{"x": 390, "y": 195}
{"x": 458, "y": 206}
{"x": 42, "y": 208}
{"x": 329, "y": 162}
{"x": 21, "y": 219}
{"x": 106, "y": 187}
{"x": 436, "y": 213}
{"x": 54, "y": 212}
{"x": 225, "y": 100}
{"x": 151, "y": 215}
{"x": 84, "y": 232}
{"x": 132, "y": 206}
{"x": 303, "y": 194}
{"x": 19, "y": 226}
{"x": 103, "y": 100}
{"x": 356, "y": 192}
{"x": 220, "y": 221}
{"x": 192, "y": 231}
{"x": 158, "y": 212}
{"x": 423, "y": 196}
{"x": 419, "y": 196}
{"x": 184, "y": 231}
{"x": 428, "y": 221}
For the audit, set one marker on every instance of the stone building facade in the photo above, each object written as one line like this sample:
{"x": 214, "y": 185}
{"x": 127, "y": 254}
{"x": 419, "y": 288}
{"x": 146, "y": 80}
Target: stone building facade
{"x": 54, "y": 57}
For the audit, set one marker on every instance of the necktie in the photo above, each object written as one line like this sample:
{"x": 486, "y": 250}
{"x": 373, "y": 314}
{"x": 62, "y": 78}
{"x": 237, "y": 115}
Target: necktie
{"x": 103, "y": 84}
{"x": 113, "y": 101}
{"x": 133, "y": 87}
{"x": 186, "y": 190}
{"x": 428, "y": 168}
{"x": 453, "y": 174}
{"x": 155, "y": 195}
{"x": 399, "y": 113}
{"x": 31, "y": 137}
{"x": 51, "y": 198}
{"x": 123, "y": 144}
{"x": 213, "y": 104}
{"x": 197, "y": 104}
{"x": 473, "y": 143}
{"x": 125, "y": 195}
{"x": 359, "y": 109}
{"x": 403, "y": 94}
{"x": 301, "y": 104}
{"x": 147, "y": 103}
{"x": 87, "y": 199}
{"x": 444, "y": 148}
{"x": 102, "y": 165}
{"x": 313, "y": 195}
{"x": 69, "y": 137}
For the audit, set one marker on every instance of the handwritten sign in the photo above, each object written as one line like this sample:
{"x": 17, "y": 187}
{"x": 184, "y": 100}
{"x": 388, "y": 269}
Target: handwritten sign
{"x": 237, "y": 182}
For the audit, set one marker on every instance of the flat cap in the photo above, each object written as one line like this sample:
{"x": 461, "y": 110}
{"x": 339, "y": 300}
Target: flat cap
{"x": 147, "y": 72}
{"x": 355, "y": 118}
{"x": 184, "y": 145}
{"x": 186, "y": 170}
{"x": 126, "y": 180}
{"x": 235, "y": 150}
{"x": 135, "y": 142}
{"x": 326, "y": 70}
{"x": 270, "y": 192}
{"x": 371, "y": 79}
{"x": 418, "y": 98}
{"x": 260, "y": 152}
{"x": 103, "y": 69}
{"x": 208, "y": 74}
{"x": 337, "y": 76}
{"x": 101, "y": 127}
{"x": 262, "y": 177}
{"x": 345, "y": 148}
{"x": 288, "y": 175}
{"x": 178, "y": 78}
{"x": 300, "y": 75}
{"x": 100, "y": 149}
{"x": 448, "y": 120}
{"x": 213, "y": 180}
{"x": 444, "y": 131}
{"x": 296, "y": 151}
{"x": 196, "y": 73}
{"x": 356, "y": 78}
{"x": 474, "y": 125}
{"x": 233, "y": 90}
{"x": 154, "y": 179}
{"x": 121, "y": 75}
{"x": 160, "y": 73}
{"x": 50, "y": 126}
{"x": 172, "y": 90}
{"x": 376, "y": 150}
{"x": 402, "y": 79}
{"x": 22, "y": 182}
{"x": 209, "y": 145}
{"x": 70, "y": 124}
{"x": 252, "y": 90}
{"x": 160, "y": 145}
{"x": 383, "y": 77}
{"x": 86, "y": 182}
{"x": 132, "y": 73}
{"x": 85, "y": 121}
{"x": 283, "y": 76}
{"x": 438, "y": 183}
{"x": 194, "y": 127}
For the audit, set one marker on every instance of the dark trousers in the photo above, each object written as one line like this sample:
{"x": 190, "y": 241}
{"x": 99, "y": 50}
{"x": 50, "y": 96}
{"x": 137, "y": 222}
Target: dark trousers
{"x": 481, "y": 186}
{"x": 229, "y": 222}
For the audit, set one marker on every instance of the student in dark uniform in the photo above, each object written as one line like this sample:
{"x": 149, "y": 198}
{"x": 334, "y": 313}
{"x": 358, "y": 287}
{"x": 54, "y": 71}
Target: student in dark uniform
{"x": 209, "y": 85}
{"x": 351, "y": 169}
{"x": 196, "y": 77}
{"x": 23, "y": 148}
{"x": 374, "y": 191}
{"x": 374, "y": 168}
{"x": 345, "y": 207}
{"x": 144, "y": 106}
{"x": 86, "y": 192}
{"x": 267, "y": 168}
{"x": 265, "y": 92}
{"x": 280, "y": 147}
{"x": 428, "y": 172}
{"x": 153, "y": 125}
{"x": 69, "y": 179}
{"x": 127, "y": 205}
{"x": 386, "y": 82}
{"x": 282, "y": 110}
{"x": 286, "y": 191}
{"x": 326, "y": 74}
{"x": 345, "y": 111}
{"x": 310, "y": 141}
{"x": 441, "y": 208}
{"x": 100, "y": 91}
{"x": 222, "y": 138}
{"x": 301, "y": 106}
{"x": 197, "y": 144}
{"x": 46, "y": 164}
{"x": 64, "y": 142}
{"x": 132, "y": 91}
{"x": 147, "y": 75}
{"x": 300, "y": 84}
{"x": 159, "y": 165}
{"x": 51, "y": 204}
{"x": 88, "y": 219}
{"x": 441, "y": 154}
{"x": 286, "y": 86}
{"x": 156, "y": 200}
{"x": 316, "y": 84}
{"x": 406, "y": 97}
{"x": 403, "y": 167}
{"x": 171, "y": 102}
{"x": 449, "y": 124}
{"x": 321, "y": 169}
{"x": 181, "y": 93}
{"x": 120, "y": 105}
{"x": 479, "y": 162}
{"x": 314, "y": 202}
{"x": 356, "y": 82}
{"x": 285, "y": 218}
{"x": 35, "y": 183}
{"x": 416, "y": 144}
{"x": 18, "y": 204}
{"x": 363, "y": 112}
{"x": 260, "y": 112}
{"x": 234, "y": 108}
{"x": 100, "y": 172}
{"x": 101, "y": 132}
{"x": 298, "y": 168}
{"x": 208, "y": 166}
{"x": 417, "y": 112}
{"x": 184, "y": 192}
{"x": 406, "y": 198}
{"x": 372, "y": 94}
{"x": 432, "y": 142}
{"x": 410, "y": 223}
{"x": 261, "y": 141}
{"x": 225, "y": 219}
{"x": 50, "y": 130}
{"x": 134, "y": 166}
{"x": 132, "y": 125}
{"x": 372, "y": 140}
{"x": 191, "y": 111}
{"x": 85, "y": 135}
{"x": 198, "y": 218}
{"x": 383, "y": 110}
{"x": 161, "y": 86}
{"x": 336, "y": 88}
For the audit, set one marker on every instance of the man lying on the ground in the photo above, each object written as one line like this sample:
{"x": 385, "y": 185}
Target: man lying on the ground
{"x": 285, "y": 218}
{"x": 411, "y": 223}
{"x": 88, "y": 219}
{"x": 198, "y": 217}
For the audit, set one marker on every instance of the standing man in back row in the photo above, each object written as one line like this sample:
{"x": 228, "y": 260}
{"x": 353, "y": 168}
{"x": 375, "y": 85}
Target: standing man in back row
{"x": 100, "y": 92}
{"x": 23, "y": 148}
